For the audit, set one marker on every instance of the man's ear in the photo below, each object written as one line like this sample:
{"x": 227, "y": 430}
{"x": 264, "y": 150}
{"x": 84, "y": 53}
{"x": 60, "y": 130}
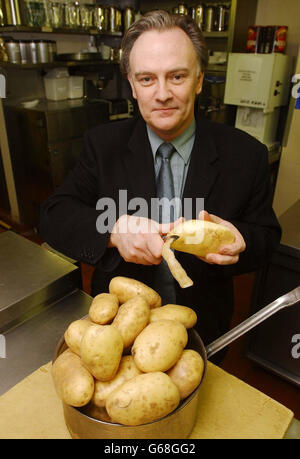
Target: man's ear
{"x": 200, "y": 83}
{"x": 129, "y": 78}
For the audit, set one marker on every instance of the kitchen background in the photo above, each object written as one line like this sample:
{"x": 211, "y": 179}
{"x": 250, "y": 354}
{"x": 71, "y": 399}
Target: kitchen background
{"x": 42, "y": 121}
{"x": 44, "y": 141}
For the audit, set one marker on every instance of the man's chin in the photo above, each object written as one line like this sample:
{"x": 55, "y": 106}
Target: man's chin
{"x": 164, "y": 126}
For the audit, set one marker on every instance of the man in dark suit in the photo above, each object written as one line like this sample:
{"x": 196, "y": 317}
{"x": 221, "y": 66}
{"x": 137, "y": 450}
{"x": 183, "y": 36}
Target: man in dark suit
{"x": 164, "y": 58}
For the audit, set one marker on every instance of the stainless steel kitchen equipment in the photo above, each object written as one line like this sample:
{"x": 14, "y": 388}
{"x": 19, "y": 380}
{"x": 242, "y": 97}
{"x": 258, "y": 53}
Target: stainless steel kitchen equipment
{"x": 128, "y": 18}
{"x": 199, "y": 16}
{"x": 45, "y": 143}
{"x": 13, "y": 51}
{"x": 209, "y": 24}
{"x": 33, "y": 280}
{"x": 115, "y": 19}
{"x": 24, "y": 51}
{"x": 52, "y": 49}
{"x": 80, "y": 56}
{"x": 221, "y": 18}
{"x": 101, "y": 18}
{"x": 180, "y": 422}
{"x": 182, "y": 9}
{"x": 10, "y": 10}
{"x": 39, "y": 296}
{"x": 32, "y": 52}
{"x": 43, "y": 51}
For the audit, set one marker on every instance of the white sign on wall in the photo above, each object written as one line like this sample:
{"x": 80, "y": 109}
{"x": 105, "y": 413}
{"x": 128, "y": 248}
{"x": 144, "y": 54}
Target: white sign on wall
{"x": 2, "y": 87}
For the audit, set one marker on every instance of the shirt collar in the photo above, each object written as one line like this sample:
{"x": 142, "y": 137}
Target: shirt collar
{"x": 181, "y": 143}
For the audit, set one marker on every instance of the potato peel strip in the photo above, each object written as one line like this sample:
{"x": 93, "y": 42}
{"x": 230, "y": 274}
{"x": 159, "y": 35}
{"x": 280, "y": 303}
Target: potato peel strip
{"x": 175, "y": 267}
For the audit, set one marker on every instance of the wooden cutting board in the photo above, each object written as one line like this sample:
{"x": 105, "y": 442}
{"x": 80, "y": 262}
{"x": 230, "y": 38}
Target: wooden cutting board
{"x": 228, "y": 408}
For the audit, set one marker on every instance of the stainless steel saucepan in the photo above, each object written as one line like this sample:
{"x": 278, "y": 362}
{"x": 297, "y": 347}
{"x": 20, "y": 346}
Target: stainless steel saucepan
{"x": 180, "y": 422}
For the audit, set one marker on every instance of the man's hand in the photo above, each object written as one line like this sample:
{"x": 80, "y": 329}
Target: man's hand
{"x": 139, "y": 240}
{"x": 228, "y": 254}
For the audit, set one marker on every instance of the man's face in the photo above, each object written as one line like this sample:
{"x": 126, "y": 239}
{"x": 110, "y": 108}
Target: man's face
{"x": 164, "y": 77}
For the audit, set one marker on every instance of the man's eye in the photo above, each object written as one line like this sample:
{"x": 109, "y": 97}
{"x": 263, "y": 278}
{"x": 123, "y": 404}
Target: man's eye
{"x": 145, "y": 80}
{"x": 178, "y": 77}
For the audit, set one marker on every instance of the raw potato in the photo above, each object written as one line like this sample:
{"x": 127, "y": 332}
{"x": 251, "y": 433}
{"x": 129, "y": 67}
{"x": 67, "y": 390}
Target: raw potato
{"x": 127, "y": 370}
{"x": 132, "y": 318}
{"x": 143, "y": 399}
{"x": 125, "y": 288}
{"x": 198, "y": 237}
{"x": 74, "y": 333}
{"x": 159, "y": 345}
{"x": 104, "y": 308}
{"x": 101, "y": 351}
{"x": 187, "y": 372}
{"x": 183, "y": 314}
{"x": 73, "y": 383}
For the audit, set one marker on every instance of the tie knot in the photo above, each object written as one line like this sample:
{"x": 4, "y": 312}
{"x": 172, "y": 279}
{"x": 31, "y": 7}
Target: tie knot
{"x": 165, "y": 150}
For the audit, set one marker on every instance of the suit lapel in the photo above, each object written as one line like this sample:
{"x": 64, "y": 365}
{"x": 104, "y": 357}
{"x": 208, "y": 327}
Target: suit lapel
{"x": 139, "y": 164}
{"x": 204, "y": 164}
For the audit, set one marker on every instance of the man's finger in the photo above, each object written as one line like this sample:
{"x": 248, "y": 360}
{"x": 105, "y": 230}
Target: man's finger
{"x": 204, "y": 215}
{"x": 165, "y": 228}
{"x": 221, "y": 259}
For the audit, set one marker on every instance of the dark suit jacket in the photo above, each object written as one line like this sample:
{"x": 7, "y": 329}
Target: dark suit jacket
{"x": 228, "y": 168}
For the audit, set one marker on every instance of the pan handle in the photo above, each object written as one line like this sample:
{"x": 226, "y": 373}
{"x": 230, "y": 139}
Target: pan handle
{"x": 284, "y": 301}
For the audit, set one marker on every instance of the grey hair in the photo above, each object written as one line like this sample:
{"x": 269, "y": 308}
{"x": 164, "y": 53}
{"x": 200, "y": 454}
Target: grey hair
{"x": 162, "y": 20}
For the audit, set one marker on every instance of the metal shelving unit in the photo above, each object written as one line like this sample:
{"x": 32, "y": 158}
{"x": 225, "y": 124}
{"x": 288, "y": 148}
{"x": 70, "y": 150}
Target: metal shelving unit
{"x": 59, "y": 31}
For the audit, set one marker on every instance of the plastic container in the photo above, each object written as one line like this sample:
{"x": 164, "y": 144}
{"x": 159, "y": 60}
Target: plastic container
{"x": 75, "y": 87}
{"x": 57, "y": 84}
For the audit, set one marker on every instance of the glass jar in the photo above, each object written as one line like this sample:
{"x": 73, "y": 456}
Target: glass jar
{"x": 35, "y": 13}
{"x": 57, "y": 14}
{"x": 72, "y": 14}
{"x": 86, "y": 16}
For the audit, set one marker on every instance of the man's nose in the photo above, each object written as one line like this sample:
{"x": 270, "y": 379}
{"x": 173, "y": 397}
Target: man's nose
{"x": 163, "y": 92}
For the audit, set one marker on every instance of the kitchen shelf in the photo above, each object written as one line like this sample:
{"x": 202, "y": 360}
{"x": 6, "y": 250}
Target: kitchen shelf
{"x": 216, "y": 68}
{"x": 61, "y": 30}
{"x": 54, "y": 64}
{"x": 214, "y": 34}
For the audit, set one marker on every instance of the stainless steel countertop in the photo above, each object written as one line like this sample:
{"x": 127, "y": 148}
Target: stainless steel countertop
{"x": 32, "y": 343}
{"x": 30, "y": 278}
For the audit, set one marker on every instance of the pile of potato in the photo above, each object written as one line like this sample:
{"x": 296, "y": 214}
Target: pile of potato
{"x": 126, "y": 362}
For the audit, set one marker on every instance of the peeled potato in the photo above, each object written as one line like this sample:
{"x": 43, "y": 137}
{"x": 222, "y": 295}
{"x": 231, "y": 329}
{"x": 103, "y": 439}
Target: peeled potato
{"x": 187, "y": 372}
{"x": 183, "y": 314}
{"x": 126, "y": 288}
{"x": 198, "y": 237}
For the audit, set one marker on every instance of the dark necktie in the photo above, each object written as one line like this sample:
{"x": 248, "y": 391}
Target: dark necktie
{"x": 165, "y": 184}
